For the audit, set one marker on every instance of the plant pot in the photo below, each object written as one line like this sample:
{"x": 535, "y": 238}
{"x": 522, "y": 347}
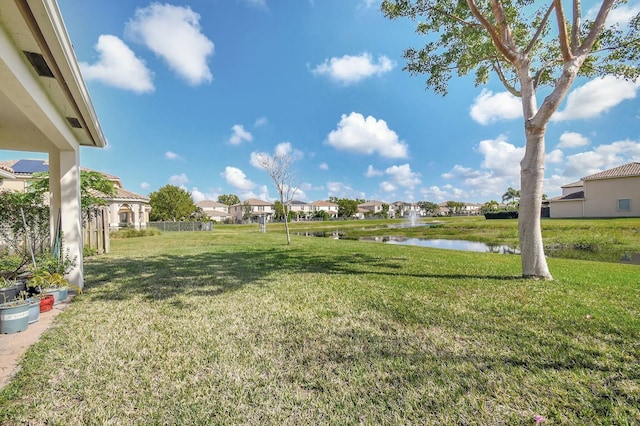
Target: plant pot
{"x": 46, "y": 303}
{"x": 34, "y": 311}
{"x": 14, "y": 318}
{"x": 8, "y": 294}
{"x": 55, "y": 292}
{"x": 64, "y": 291}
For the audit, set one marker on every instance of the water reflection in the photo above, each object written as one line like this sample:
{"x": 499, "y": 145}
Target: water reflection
{"x": 448, "y": 244}
{"x": 633, "y": 259}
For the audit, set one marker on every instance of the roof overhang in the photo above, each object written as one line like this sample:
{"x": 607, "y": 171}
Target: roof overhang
{"x": 45, "y": 103}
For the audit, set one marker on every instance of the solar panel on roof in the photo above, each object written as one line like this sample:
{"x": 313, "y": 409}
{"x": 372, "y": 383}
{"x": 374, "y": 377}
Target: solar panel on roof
{"x": 30, "y": 166}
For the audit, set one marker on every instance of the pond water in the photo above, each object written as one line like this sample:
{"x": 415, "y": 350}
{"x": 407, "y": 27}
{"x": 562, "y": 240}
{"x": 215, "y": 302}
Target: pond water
{"x": 630, "y": 258}
{"x": 447, "y": 244}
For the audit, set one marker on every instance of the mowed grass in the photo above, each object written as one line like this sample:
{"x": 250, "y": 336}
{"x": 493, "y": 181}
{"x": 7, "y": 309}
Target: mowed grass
{"x": 235, "y": 327}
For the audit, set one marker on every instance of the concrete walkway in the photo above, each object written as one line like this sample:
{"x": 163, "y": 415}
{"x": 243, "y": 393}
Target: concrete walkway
{"x": 13, "y": 346}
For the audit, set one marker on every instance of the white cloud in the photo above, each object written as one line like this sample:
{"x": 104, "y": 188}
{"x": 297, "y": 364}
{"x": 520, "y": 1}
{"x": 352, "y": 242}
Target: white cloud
{"x": 174, "y": 34}
{"x": 446, "y": 193}
{"x": 261, "y": 4}
{"x": 371, "y": 172}
{"x": 555, "y": 156}
{"x": 324, "y": 166}
{"x": 171, "y": 156}
{"x": 343, "y": 190}
{"x": 403, "y": 176}
{"x": 144, "y": 185}
{"x": 118, "y": 66}
{"x": 621, "y": 15}
{"x": 501, "y": 157}
{"x": 489, "y": 108}
{"x": 262, "y": 194}
{"x": 499, "y": 169}
{"x": 387, "y": 186}
{"x": 236, "y": 178}
{"x": 601, "y": 158}
{"x": 179, "y": 180}
{"x": 596, "y": 97}
{"x": 368, "y": 136}
{"x": 197, "y": 195}
{"x": 352, "y": 69}
{"x": 261, "y": 121}
{"x": 239, "y": 135}
{"x": 285, "y": 148}
{"x": 572, "y": 140}
{"x": 258, "y": 159}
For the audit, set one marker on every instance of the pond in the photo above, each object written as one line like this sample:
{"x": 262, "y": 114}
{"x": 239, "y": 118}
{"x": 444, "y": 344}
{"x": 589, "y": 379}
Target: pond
{"x": 630, "y": 258}
{"x": 447, "y": 244}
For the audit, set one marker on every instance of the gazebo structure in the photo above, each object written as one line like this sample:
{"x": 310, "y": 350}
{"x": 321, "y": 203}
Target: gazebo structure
{"x": 45, "y": 107}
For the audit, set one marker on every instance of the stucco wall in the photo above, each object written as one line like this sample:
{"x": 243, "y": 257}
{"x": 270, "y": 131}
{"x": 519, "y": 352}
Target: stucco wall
{"x": 560, "y": 209}
{"x": 602, "y": 197}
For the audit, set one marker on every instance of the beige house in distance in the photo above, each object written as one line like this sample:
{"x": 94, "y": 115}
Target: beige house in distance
{"x": 610, "y": 193}
{"x": 253, "y": 210}
{"x": 124, "y": 208}
{"x": 215, "y": 210}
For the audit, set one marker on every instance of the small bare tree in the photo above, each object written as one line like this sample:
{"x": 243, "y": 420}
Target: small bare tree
{"x": 280, "y": 170}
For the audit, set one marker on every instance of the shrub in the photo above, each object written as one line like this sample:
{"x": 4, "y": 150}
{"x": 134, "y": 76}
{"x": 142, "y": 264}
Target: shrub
{"x": 133, "y": 233}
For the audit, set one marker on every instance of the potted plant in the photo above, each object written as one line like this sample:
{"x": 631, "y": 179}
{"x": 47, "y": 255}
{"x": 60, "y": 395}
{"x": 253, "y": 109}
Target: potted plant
{"x": 54, "y": 284}
{"x": 14, "y": 315}
{"x": 46, "y": 302}
{"x": 10, "y": 288}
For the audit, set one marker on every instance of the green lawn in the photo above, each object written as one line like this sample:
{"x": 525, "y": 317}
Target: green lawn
{"x": 236, "y": 327}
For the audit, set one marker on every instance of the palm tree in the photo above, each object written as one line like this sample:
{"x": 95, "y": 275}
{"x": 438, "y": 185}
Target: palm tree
{"x": 511, "y": 196}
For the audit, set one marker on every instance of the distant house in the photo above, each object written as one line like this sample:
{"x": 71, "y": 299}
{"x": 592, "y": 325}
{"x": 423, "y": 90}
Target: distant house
{"x": 374, "y": 207}
{"x": 253, "y": 210}
{"x": 326, "y": 206}
{"x": 610, "y": 193}
{"x": 215, "y": 210}
{"x": 403, "y": 209}
{"x": 301, "y": 209}
{"x": 124, "y": 208}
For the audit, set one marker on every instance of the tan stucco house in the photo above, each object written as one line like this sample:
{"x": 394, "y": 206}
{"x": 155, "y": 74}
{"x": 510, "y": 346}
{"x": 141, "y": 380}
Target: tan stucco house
{"x": 253, "y": 210}
{"x": 124, "y": 208}
{"x": 326, "y": 206}
{"x": 45, "y": 106}
{"x": 215, "y": 210}
{"x": 610, "y": 193}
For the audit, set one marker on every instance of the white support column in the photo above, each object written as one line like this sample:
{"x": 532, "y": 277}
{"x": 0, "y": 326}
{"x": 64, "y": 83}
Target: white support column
{"x": 55, "y": 193}
{"x": 72, "y": 212}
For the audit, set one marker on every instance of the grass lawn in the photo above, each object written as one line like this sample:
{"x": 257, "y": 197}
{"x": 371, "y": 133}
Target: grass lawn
{"x": 236, "y": 327}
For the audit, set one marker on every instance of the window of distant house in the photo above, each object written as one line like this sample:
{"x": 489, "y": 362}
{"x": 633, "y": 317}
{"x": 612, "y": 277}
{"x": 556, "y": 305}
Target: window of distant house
{"x": 260, "y": 208}
{"x": 624, "y": 204}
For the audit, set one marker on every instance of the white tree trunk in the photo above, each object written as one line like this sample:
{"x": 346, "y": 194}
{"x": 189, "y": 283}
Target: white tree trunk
{"x": 534, "y": 262}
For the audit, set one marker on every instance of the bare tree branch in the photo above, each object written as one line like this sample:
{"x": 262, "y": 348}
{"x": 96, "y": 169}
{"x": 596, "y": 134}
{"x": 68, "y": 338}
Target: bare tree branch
{"x": 499, "y": 42}
{"x": 577, "y": 21}
{"x": 563, "y": 38}
{"x": 540, "y": 29}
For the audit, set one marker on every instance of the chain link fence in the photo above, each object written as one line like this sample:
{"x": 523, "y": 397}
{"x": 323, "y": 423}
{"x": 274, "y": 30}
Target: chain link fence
{"x": 181, "y": 226}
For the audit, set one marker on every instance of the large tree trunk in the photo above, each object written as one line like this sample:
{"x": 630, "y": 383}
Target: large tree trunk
{"x": 534, "y": 263}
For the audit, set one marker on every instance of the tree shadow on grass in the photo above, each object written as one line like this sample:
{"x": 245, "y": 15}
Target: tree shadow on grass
{"x": 214, "y": 273}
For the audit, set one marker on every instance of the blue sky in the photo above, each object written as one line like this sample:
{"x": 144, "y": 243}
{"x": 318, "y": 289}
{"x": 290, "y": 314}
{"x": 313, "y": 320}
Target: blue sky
{"x": 190, "y": 93}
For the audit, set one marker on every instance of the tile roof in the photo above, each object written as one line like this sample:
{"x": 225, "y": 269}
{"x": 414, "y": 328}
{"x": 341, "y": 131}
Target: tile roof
{"x": 626, "y": 170}
{"x": 324, "y": 203}
{"x": 121, "y": 194}
{"x": 573, "y": 196}
{"x": 255, "y": 202}
{"x": 210, "y": 203}
{"x": 573, "y": 185}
